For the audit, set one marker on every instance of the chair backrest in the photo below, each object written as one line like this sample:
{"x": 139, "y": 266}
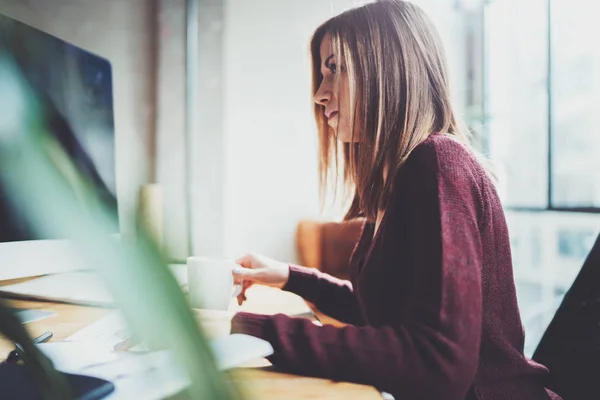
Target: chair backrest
{"x": 328, "y": 245}
{"x": 570, "y": 347}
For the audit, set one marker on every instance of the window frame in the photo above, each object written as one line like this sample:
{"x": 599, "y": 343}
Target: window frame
{"x": 486, "y": 115}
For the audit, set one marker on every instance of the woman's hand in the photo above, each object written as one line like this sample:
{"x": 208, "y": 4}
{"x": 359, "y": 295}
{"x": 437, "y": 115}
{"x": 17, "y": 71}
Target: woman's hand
{"x": 255, "y": 268}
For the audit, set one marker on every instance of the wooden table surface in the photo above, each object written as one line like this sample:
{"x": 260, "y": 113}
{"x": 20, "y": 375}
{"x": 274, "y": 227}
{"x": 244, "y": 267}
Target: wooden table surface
{"x": 260, "y": 381}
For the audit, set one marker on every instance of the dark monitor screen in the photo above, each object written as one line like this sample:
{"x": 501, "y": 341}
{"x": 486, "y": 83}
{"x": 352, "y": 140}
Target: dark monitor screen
{"x": 74, "y": 89}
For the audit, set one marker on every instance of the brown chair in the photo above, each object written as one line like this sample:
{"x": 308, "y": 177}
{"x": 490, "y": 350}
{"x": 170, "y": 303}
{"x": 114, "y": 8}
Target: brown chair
{"x": 327, "y": 245}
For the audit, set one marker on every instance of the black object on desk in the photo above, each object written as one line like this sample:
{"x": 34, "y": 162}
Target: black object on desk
{"x": 14, "y": 355}
{"x": 16, "y": 384}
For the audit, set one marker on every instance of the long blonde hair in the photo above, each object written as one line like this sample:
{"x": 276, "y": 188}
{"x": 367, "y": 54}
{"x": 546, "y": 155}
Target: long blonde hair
{"x": 399, "y": 95}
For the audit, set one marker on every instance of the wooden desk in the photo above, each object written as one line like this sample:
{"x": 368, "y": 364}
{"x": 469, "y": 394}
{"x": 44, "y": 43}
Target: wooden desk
{"x": 259, "y": 382}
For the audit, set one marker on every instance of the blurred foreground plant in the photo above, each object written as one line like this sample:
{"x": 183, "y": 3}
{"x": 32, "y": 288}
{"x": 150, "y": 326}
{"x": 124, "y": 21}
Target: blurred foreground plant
{"x": 33, "y": 169}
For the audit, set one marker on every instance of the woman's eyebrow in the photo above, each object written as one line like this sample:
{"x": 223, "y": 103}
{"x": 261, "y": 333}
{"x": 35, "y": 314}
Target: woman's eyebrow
{"x": 327, "y": 64}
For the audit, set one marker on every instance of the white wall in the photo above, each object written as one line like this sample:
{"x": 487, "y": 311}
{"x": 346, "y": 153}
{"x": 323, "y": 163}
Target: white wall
{"x": 119, "y": 30}
{"x": 208, "y": 143}
{"x": 271, "y": 144}
{"x": 170, "y": 123}
{"x": 270, "y": 139}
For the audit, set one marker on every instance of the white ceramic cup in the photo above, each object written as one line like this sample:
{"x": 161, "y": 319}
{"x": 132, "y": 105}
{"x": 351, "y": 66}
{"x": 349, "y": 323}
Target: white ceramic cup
{"x": 210, "y": 282}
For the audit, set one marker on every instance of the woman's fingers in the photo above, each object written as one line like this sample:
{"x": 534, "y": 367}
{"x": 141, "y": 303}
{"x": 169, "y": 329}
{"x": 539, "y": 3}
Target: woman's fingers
{"x": 242, "y": 273}
{"x": 238, "y": 277}
{"x": 245, "y": 261}
{"x": 241, "y": 297}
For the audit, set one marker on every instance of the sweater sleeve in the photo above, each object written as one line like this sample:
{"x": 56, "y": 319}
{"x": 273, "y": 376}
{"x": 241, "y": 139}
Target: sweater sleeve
{"x": 332, "y": 296}
{"x": 433, "y": 354}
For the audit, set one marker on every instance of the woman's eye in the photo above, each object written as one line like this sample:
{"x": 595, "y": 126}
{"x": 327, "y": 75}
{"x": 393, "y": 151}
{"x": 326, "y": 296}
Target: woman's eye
{"x": 333, "y": 68}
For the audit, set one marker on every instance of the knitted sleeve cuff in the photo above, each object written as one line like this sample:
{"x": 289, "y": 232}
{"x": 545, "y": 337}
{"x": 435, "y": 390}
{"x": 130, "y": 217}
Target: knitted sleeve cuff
{"x": 249, "y": 324}
{"x": 300, "y": 280}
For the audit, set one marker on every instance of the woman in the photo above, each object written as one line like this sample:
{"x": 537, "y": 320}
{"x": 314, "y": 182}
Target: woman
{"x": 431, "y": 302}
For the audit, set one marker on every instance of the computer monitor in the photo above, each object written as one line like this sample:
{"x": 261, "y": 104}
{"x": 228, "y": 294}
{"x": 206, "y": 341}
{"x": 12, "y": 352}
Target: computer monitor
{"x": 74, "y": 89}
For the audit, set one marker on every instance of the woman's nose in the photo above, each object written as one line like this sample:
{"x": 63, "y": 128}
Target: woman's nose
{"x": 323, "y": 96}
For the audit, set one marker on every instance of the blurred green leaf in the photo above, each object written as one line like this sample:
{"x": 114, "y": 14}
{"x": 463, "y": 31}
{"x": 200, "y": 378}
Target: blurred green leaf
{"x": 33, "y": 168}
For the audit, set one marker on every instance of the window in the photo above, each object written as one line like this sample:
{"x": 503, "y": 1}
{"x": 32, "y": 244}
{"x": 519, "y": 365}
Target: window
{"x": 541, "y": 93}
{"x": 575, "y": 93}
{"x": 516, "y": 98}
{"x": 575, "y": 243}
{"x": 548, "y": 251}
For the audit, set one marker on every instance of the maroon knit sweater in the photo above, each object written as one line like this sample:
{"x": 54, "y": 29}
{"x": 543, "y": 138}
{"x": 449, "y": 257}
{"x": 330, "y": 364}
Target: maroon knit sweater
{"x": 431, "y": 303}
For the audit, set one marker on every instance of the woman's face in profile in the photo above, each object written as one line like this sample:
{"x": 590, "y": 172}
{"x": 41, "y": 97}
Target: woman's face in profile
{"x": 334, "y": 94}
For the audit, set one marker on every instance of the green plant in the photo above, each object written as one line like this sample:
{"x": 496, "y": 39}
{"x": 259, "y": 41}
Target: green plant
{"x": 33, "y": 166}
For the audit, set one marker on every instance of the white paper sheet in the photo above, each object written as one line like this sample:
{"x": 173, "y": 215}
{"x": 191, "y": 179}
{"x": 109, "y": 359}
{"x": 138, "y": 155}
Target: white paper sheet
{"x": 229, "y": 350}
{"x": 140, "y": 376}
{"x": 72, "y": 357}
{"x": 147, "y": 375}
